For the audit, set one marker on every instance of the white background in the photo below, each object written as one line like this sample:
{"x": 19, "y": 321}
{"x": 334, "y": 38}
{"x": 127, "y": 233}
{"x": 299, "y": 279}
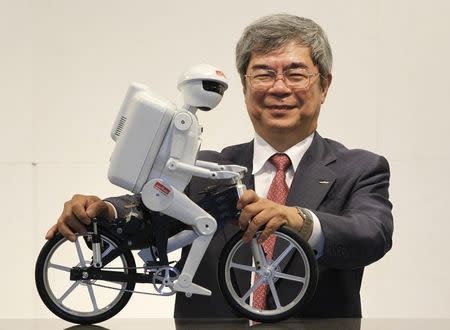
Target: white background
{"x": 65, "y": 67}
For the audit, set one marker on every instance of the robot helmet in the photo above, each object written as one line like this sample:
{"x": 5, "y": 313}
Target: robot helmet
{"x": 202, "y": 86}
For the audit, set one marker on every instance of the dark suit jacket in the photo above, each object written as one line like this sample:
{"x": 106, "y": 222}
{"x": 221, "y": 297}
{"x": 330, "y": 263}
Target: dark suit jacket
{"x": 348, "y": 191}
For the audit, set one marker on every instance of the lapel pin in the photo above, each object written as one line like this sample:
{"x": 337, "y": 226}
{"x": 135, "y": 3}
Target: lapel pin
{"x": 324, "y": 182}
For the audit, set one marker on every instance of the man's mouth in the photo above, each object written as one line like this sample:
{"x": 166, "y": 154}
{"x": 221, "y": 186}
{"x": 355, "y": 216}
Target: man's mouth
{"x": 280, "y": 106}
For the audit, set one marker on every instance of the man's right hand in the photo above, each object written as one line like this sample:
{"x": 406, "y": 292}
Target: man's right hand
{"x": 77, "y": 213}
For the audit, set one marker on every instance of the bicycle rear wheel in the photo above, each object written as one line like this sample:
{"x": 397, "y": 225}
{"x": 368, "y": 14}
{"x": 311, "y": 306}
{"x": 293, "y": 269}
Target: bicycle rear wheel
{"x": 81, "y": 301}
{"x": 291, "y": 276}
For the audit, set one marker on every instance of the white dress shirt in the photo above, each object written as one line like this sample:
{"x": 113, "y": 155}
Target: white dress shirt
{"x": 264, "y": 172}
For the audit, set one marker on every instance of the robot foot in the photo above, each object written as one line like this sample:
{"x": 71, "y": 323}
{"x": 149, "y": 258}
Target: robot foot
{"x": 183, "y": 284}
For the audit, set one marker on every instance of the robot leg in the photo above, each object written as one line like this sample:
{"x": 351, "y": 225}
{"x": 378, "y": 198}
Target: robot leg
{"x": 159, "y": 196}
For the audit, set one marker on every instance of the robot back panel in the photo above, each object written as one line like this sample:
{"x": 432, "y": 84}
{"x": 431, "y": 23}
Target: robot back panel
{"x": 139, "y": 132}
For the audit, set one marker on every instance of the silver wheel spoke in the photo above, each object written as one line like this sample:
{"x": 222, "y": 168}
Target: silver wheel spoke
{"x": 80, "y": 253}
{"x": 289, "y": 277}
{"x": 243, "y": 267}
{"x": 59, "y": 267}
{"x": 69, "y": 291}
{"x": 274, "y": 293}
{"x": 93, "y": 300}
{"x": 263, "y": 256}
{"x": 106, "y": 252}
{"x": 253, "y": 288}
{"x": 283, "y": 255}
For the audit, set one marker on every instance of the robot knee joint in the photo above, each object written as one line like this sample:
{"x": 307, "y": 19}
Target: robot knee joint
{"x": 206, "y": 225}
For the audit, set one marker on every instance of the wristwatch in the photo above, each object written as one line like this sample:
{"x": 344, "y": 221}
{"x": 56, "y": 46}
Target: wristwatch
{"x": 307, "y": 228}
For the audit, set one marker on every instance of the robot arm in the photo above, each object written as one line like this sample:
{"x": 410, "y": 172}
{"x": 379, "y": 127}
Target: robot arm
{"x": 216, "y": 167}
{"x": 216, "y": 171}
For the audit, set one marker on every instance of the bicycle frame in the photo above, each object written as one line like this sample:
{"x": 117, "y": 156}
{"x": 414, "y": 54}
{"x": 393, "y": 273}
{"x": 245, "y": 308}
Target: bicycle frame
{"x": 178, "y": 241}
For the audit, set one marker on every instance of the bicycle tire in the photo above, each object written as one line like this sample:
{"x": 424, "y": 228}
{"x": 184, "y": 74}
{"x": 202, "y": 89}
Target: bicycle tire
{"x": 48, "y": 290}
{"x": 301, "y": 293}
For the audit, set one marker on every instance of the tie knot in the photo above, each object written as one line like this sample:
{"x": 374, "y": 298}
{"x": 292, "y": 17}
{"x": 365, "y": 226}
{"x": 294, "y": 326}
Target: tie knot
{"x": 280, "y": 161}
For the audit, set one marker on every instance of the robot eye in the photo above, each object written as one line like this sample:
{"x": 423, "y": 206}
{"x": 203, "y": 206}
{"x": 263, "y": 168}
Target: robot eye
{"x": 213, "y": 86}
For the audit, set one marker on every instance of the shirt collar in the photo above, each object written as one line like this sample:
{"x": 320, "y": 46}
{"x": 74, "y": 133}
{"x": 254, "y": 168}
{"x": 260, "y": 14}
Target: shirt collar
{"x": 263, "y": 151}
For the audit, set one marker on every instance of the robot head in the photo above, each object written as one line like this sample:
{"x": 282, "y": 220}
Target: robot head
{"x": 202, "y": 86}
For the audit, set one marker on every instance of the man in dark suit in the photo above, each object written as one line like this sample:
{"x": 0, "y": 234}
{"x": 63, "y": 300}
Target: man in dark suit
{"x": 337, "y": 199}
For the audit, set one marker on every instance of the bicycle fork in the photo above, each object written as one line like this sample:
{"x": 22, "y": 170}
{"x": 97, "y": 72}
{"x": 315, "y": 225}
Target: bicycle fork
{"x": 96, "y": 248}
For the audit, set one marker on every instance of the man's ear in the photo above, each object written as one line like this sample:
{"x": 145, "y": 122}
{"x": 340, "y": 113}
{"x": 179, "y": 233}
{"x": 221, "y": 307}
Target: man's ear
{"x": 244, "y": 84}
{"x": 326, "y": 82}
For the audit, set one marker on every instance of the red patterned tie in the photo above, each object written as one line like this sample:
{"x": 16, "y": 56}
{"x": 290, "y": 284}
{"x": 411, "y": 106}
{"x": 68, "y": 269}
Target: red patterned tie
{"x": 278, "y": 192}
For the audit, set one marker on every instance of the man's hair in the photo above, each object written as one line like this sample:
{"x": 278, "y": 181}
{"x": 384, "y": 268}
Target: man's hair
{"x": 275, "y": 31}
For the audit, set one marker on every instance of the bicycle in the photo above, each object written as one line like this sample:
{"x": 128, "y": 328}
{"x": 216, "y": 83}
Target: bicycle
{"x": 62, "y": 282}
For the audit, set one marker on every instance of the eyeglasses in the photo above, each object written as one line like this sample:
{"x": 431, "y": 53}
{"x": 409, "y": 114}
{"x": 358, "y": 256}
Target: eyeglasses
{"x": 298, "y": 79}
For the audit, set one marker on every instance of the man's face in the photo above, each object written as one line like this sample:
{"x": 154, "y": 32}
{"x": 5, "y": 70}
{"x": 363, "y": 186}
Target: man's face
{"x": 280, "y": 111}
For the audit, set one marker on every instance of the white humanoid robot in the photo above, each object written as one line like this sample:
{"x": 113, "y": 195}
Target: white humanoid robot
{"x": 155, "y": 155}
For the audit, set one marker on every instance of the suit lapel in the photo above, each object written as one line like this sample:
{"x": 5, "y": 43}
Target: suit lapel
{"x": 313, "y": 178}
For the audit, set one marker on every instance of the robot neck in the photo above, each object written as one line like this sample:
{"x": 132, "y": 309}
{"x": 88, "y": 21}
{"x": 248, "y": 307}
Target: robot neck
{"x": 190, "y": 108}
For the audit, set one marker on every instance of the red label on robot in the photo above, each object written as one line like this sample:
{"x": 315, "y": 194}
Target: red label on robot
{"x": 220, "y": 73}
{"x": 162, "y": 188}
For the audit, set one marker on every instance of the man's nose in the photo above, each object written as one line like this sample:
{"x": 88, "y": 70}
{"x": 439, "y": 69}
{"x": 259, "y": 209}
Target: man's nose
{"x": 280, "y": 85}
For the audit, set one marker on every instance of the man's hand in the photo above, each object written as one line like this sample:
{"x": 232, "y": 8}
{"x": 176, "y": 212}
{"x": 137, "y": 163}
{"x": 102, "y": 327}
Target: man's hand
{"x": 77, "y": 213}
{"x": 257, "y": 211}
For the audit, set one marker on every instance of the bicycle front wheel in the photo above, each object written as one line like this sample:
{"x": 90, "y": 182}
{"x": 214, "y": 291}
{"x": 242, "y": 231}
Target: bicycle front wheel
{"x": 290, "y": 275}
{"x": 81, "y": 301}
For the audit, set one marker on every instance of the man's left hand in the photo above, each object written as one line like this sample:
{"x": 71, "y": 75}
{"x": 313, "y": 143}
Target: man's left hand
{"x": 257, "y": 212}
